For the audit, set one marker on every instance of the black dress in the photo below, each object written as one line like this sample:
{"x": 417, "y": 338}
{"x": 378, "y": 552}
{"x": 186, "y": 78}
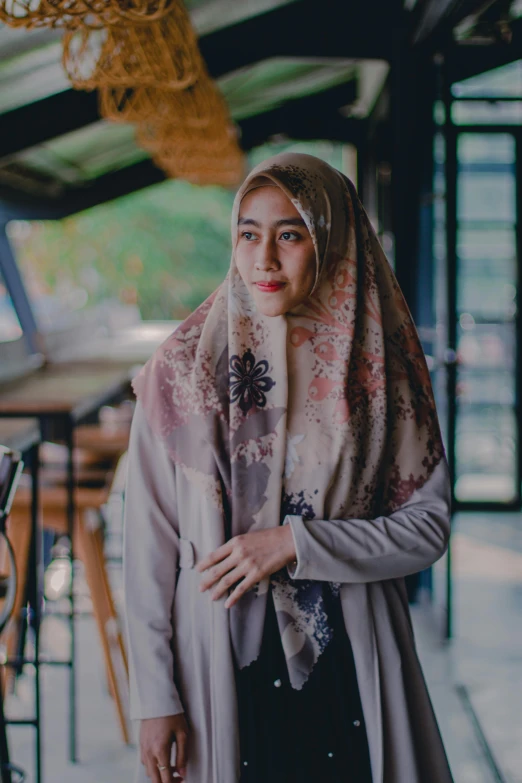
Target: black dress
{"x": 317, "y": 733}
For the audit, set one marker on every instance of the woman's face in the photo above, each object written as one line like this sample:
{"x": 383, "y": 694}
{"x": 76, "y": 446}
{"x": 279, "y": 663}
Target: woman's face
{"x": 274, "y": 254}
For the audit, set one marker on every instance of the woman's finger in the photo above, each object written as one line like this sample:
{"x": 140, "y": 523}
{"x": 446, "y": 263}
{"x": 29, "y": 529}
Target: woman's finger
{"x": 163, "y": 766}
{"x": 246, "y": 584}
{"x": 216, "y": 573}
{"x": 152, "y": 770}
{"x": 181, "y": 753}
{"x": 228, "y": 581}
{"x": 217, "y": 556}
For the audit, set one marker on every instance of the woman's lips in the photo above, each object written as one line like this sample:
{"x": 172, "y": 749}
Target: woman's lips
{"x": 270, "y": 288}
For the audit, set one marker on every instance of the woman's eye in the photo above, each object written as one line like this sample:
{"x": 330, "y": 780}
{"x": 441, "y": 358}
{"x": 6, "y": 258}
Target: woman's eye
{"x": 248, "y": 235}
{"x": 289, "y": 235}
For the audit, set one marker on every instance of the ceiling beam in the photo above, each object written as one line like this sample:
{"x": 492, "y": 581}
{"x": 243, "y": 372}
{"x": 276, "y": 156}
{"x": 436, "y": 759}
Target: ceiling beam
{"x": 17, "y": 41}
{"x": 366, "y": 30}
{"x": 301, "y": 127}
{"x": 72, "y": 200}
{"x": 109, "y": 187}
{"x": 36, "y": 123}
{"x": 216, "y": 14}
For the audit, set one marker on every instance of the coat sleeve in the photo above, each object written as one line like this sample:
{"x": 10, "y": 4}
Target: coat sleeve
{"x": 150, "y": 557}
{"x": 372, "y": 550}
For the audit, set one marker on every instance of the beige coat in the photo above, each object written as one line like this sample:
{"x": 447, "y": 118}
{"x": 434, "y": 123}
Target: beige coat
{"x": 177, "y": 634}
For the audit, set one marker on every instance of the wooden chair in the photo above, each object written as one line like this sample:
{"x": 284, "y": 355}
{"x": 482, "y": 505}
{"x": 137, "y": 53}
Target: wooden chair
{"x": 103, "y": 441}
{"x": 88, "y": 544}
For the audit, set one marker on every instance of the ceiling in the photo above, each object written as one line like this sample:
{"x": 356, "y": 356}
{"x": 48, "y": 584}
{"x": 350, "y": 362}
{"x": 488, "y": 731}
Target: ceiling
{"x": 283, "y": 68}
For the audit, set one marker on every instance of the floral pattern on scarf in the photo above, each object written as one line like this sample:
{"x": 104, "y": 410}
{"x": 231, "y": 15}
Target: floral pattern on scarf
{"x": 249, "y": 381}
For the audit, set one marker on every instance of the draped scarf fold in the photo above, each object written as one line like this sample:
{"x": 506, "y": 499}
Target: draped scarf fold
{"x": 326, "y": 412}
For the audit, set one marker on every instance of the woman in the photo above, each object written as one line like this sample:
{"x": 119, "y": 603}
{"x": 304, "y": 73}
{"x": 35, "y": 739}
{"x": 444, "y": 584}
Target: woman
{"x": 286, "y": 472}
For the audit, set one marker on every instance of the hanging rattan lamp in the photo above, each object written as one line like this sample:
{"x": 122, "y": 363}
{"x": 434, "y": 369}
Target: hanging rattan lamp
{"x": 160, "y": 111}
{"x": 162, "y": 53}
{"x": 71, "y": 14}
{"x": 208, "y": 160}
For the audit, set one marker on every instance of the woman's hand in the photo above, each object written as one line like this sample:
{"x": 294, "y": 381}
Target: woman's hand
{"x": 247, "y": 559}
{"x": 156, "y": 738}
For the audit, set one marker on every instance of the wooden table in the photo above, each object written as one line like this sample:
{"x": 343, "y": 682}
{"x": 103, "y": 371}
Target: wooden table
{"x": 69, "y": 389}
{"x": 23, "y": 435}
{"x": 19, "y": 434}
{"x": 64, "y": 395}
{"x": 131, "y": 344}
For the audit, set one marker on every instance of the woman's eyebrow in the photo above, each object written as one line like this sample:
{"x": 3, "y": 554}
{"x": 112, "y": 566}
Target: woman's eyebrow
{"x": 291, "y": 221}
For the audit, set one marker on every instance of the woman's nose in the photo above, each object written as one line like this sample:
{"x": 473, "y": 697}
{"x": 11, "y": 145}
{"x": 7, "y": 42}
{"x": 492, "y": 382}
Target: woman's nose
{"x": 266, "y": 257}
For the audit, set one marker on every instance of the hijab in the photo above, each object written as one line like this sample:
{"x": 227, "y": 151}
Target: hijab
{"x": 326, "y": 412}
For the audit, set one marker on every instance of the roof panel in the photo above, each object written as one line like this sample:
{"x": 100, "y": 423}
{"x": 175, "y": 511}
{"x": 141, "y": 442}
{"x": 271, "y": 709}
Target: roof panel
{"x": 503, "y": 82}
{"x": 85, "y": 154}
{"x": 16, "y": 41}
{"x": 272, "y": 82}
{"x": 30, "y": 76}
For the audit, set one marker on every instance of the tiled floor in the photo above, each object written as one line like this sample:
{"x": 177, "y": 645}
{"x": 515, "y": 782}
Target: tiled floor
{"x": 475, "y": 681}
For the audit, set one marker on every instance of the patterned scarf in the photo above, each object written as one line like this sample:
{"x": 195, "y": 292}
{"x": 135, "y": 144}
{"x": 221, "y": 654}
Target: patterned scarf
{"x": 326, "y": 412}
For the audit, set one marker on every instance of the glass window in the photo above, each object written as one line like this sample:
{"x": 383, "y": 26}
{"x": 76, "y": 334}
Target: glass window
{"x": 486, "y": 445}
{"x": 503, "y": 82}
{"x": 486, "y": 112}
{"x": 491, "y": 346}
{"x": 486, "y": 453}
{"x": 486, "y": 195}
{"x": 487, "y": 272}
{"x": 486, "y": 148}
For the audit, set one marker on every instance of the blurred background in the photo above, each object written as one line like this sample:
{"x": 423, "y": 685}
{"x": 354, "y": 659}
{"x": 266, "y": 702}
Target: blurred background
{"x": 116, "y": 187}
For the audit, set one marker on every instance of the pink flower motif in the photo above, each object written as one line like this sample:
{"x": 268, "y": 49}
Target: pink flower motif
{"x": 320, "y": 388}
{"x": 327, "y": 352}
{"x": 338, "y": 298}
{"x": 300, "y": 335}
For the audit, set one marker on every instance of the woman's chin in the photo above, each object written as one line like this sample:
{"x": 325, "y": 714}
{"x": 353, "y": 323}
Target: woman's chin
{"x": 272, "y": 310}
{"x": 272, "y": 305}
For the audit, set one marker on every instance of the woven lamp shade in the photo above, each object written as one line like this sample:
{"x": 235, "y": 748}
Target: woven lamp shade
{"x": 206, "y": 171}
{"x": 229, "y": 174}
{"x": 159, "y": 134}
{"x": 162, "y": 53}
{"x": 154, "y": 109}
{"x": 43, "y": 13}
{"x": 227, "y": 178}
{"x": 71, "y": 14}
{"x": 203, "y": 159}
{"x": 203, "y": 145}
{"x": 190, "y": 136}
